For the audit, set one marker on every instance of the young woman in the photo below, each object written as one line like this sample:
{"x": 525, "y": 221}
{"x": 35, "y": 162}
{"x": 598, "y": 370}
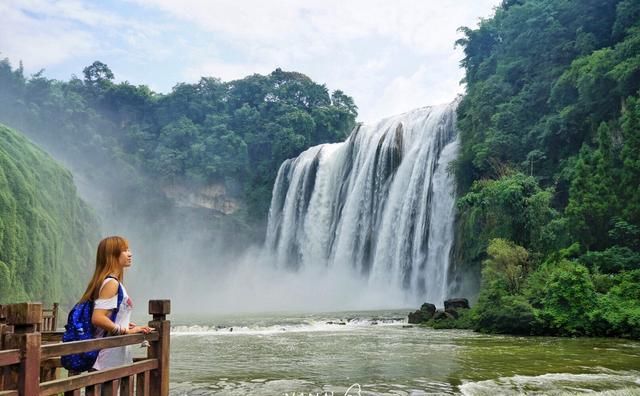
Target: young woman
{"x": 112, "y": 258}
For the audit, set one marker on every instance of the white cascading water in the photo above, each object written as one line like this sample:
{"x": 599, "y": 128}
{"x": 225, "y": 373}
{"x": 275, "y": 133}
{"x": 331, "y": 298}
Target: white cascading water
{"x": 380, "y": 205}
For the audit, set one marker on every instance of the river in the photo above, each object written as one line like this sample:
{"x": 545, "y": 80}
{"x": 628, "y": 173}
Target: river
{"x": 377, "y": 353}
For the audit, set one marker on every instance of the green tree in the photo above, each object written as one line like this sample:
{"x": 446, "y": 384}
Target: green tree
{"x": 97, "y": 73}
{"x": 631, "y": 161}
{"x": 593, "y": 200}
{"x": 508, "y": 264}
{"x": 500, "y": 307}
{"x": 564, "y": 296}
{"x": 618, "y": 312}
{"x": 512, "y": 207}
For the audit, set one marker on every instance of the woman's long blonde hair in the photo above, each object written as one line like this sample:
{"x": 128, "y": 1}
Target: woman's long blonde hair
{"x": 109, "y": 250}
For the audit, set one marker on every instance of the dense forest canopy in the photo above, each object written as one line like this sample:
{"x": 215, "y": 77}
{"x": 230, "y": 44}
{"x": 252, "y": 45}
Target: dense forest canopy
{"x": 549, "y": 170}
{"x": 235, "y": 132}
{"x": 46, "y": 232}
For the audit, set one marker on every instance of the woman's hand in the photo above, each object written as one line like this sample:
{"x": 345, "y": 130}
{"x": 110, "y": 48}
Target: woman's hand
{"x": 139, "y": 329}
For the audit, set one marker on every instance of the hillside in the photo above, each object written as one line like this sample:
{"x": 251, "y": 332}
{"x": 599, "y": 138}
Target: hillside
{"x": 549, "y": 169}
{"x": 47, "y": 234}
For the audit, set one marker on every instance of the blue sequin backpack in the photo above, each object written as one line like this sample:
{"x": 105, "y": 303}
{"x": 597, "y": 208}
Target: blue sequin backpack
{"x": 79, "y": 328}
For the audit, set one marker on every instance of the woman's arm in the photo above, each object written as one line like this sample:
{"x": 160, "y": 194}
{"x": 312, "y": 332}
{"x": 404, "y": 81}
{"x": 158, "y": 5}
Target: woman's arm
{"x": 101, "y": 317}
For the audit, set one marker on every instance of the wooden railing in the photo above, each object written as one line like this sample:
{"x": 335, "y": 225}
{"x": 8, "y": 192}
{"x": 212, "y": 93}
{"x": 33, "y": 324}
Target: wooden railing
{"x": 24, "y": 358}
{"x": 49, "y": 319}
{"x": 49, "y": 322}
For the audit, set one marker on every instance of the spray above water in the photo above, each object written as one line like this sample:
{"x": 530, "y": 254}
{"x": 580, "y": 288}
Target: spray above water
{"x": 378, "y": 207}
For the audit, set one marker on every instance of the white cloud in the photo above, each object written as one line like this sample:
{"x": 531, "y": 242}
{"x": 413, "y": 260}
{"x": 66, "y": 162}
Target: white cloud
{"x": 22, "y": 38}
{"x": 404, "y": 92}
{"x": 422, "y": 25}
{"x": 225, "y": 71}
{"x": 45, "y": 33}
{"x": 390, "y": 56}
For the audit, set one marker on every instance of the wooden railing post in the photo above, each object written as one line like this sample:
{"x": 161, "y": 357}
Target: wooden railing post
{"x": 54, "y": 325}
{"x": 4, "y": 329}
{"x": 25, "y": 317}
{"x": 3, "y": 324}
{"x": 159, "y": 381}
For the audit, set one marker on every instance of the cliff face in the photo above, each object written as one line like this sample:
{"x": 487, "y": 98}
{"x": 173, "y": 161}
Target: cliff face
{"x": 47, "y": 234}
{"x": 213, "y": 196}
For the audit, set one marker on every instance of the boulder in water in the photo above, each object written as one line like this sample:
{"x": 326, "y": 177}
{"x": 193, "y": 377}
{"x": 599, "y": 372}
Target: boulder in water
{"x": 451, "y": 311}
{"x": 456, "y": 303}
{"x": 442, "y": 315}
{"x": 425, "y": 313}
{"x": 428, "y": 307}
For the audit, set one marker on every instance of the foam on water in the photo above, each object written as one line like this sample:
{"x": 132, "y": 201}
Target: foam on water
{"x": 626, "y": 382}
{"x": 310, "y": 326}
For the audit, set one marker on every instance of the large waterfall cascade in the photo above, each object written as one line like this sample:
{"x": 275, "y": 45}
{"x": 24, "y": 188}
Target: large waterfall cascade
{"x": 380, "y": 205}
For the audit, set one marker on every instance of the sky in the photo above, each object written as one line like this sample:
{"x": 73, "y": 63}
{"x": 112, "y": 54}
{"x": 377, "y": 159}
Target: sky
{"x": 390, "y": 56}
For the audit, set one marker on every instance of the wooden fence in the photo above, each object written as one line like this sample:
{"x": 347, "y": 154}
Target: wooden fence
{"x": 49, "y": 319}
{"x": 30, "y": 363}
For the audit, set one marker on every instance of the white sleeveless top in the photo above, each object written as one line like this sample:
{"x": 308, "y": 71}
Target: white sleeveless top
{"x": 117, "y": 356}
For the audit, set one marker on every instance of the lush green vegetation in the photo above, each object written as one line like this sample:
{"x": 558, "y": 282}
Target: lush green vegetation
{"x": 236, "y": 133}
{"x": 549, "y": 171}
{"x": 46, "y": 232}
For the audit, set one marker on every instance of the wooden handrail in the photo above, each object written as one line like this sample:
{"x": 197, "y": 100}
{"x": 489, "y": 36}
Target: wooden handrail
{"x": 52, "y": 336}
{"x": 26, "y": 361}
{"x": 9, "y": 357}
{"x": 96, "y": 377}
{"x": 68, "y": 348}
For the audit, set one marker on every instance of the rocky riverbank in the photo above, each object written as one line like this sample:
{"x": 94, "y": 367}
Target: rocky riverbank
{"x": 453, "y": 316}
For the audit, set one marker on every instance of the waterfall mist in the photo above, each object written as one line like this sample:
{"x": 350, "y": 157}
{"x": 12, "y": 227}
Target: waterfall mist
{"x": 362, "y": 224}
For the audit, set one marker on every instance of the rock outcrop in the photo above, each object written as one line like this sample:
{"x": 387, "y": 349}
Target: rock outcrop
{"x": 425, "y": 313}
{"x": 214, "y": 196}
{"x": 456, "y": 303}
{"x": 428, "y": 312}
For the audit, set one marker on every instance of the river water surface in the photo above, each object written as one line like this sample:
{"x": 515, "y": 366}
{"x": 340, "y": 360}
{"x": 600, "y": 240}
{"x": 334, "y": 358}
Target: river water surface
{"x": 377, "y": 353}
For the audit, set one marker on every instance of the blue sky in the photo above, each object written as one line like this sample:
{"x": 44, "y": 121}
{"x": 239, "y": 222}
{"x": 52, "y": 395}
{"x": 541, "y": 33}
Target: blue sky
{"x": 391, "y": 56}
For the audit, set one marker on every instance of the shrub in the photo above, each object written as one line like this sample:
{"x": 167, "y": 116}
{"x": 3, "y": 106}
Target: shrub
{"x": 612, "y": 260}
{"x": 507, "y": 264}
{"x": 618, "y": 312}
{"x": 463, "y": 321}
{"x": 564, "y": 295}
{"x": 504, "y": 314}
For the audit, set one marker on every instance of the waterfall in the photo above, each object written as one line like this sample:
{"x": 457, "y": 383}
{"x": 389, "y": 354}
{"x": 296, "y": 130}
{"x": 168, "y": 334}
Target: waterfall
{"x": 380, "y": 205}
